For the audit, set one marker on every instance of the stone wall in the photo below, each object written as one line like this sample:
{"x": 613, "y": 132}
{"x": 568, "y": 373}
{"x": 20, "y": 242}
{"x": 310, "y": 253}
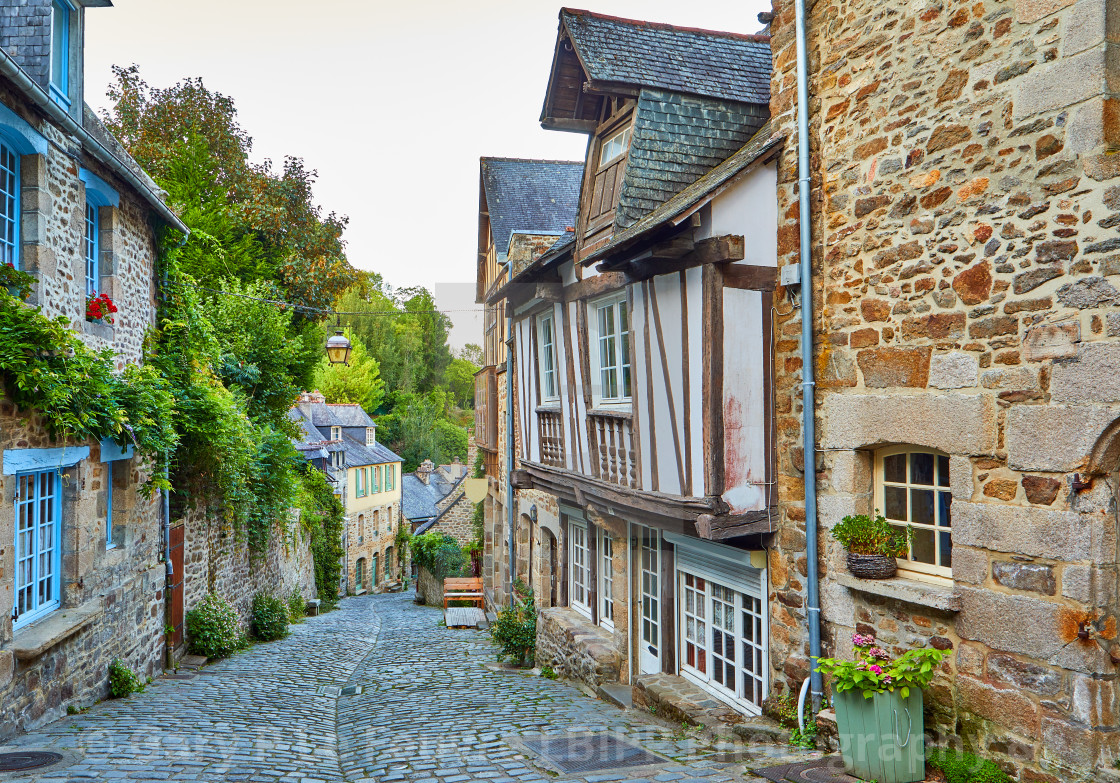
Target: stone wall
{"x": 111, "y": 597}
{"x": 455, "y": 517}
{"x": 965, "y": 253}
{"x": 575, "y": 648}
{"x": 430, "y": 588}
{"x": 217, "y": 559}
{"x": 372, "y": 532}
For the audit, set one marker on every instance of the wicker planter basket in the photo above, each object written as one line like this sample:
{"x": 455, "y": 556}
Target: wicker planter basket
{"x": 872, "y": 566}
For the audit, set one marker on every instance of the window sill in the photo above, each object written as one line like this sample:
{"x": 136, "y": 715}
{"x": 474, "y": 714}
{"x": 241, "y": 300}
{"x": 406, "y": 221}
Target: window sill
{"x": 98, "y": 329}
{"x": 940, "y": 597}
{"x": 33, "y": 640}
{"x": 620, "y": 410}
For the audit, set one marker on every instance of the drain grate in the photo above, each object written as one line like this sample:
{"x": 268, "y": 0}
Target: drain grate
{"x": 591, "y": 752}
{"x": 828, "y": 770}
{"x": 29, "y": 759}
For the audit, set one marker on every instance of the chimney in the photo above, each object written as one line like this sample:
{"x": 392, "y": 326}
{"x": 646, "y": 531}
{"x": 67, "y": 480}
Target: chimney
{"x": 424, "y": 472}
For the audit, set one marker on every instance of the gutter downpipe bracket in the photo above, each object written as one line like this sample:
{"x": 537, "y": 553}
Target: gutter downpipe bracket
{"x": 808, "y": 384}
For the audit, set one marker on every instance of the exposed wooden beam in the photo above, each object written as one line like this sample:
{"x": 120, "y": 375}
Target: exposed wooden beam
{"x": 521, "y": 479}
{"x": 715, "y": 527}
{"x": 548, "y": 292}
{"x": 679, "y": 254}
{"x": 750, "y": 277}
{"x": 569, "y": 124}
{"x": 601, "y": 284}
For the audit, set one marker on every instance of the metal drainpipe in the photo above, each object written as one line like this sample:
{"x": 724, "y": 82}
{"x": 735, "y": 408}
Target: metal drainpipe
{"x": 169, "y": 566}
{"x": 509, "y": 441}
{"x": 807, "y": 382}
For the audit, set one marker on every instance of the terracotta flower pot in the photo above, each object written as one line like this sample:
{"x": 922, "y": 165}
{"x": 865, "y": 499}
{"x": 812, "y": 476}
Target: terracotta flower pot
{"x": 872, "y": 566}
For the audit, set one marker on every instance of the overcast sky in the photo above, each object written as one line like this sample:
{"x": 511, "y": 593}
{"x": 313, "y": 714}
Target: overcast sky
{"x": 391, "y": 102}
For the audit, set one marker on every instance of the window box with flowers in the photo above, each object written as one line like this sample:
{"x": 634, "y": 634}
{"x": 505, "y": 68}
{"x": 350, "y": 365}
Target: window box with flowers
{"x": 17, "y": 283}
{"x": 100, "y": 309}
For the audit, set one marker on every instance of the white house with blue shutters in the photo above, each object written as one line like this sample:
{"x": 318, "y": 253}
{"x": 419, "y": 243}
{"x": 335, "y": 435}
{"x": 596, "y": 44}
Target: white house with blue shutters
{"x": 83, "y": 577}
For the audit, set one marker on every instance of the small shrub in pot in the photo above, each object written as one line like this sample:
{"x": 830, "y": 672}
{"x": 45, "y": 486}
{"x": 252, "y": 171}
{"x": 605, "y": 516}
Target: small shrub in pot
{"x": 872, "y": 544}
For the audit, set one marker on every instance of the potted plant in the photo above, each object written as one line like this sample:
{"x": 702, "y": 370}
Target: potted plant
{"x": 100, "y": 308}
{"x": 18, "y": 283}
{"x": 872, "y": 544}
{"x": 878, "y": 703}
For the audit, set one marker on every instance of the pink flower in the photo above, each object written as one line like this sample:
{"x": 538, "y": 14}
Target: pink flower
{"x": 877, "y": 668}
{"x": 887, "y": 679}
{"x": 880, "y": 653}
{"x": 859, "y": 640}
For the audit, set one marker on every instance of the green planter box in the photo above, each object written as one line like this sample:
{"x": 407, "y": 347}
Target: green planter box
{"x": 882, "y": 738}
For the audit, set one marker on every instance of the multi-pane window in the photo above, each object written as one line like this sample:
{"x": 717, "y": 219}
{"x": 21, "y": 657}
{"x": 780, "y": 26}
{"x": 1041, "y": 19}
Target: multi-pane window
{"x": 613, "y": 324}
{"x": 360, "y": 482}
{"x": 9, "y": 206}
{"x": 546, "y": 358}
{"x": 336, "y": 433}
{"x": 754, "y": 649}
{"x": 37, "y": 549}
{"x": 580, "y": 556}
{"x": 390, "y": 476}
{"x": 912, "y": 488}
{"x": 606, "y": 579}
{"x": 376, "y": 478}
{"x": 60, "y": 52}
{"x": 615, "y": 147}
{"x": 651, "y": 590}
{"x": 695, "y": 624}
{"x": 93, "y": 277}
{"x": 370, "y": 438}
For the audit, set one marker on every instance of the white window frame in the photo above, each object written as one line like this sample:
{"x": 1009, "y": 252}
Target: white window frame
{"x": 621, "y": 362}
{"x": 907, "y": 566}
{"x": 336, "y": 433}
{"x": 371, "y": 438}
{"x": 547, "y": 358}
{"x": 614, "y": 146}
{"x": 606, "y": 579}
{"x": 38, "y": 495}
{"x": 579, "y": 567}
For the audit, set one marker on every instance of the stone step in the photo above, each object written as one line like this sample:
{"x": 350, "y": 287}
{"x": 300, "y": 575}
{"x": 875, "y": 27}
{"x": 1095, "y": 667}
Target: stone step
{"x": 616, "y": 693}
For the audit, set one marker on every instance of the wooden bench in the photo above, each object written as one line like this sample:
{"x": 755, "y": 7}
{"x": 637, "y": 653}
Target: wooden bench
{"x": 458, "y": 589}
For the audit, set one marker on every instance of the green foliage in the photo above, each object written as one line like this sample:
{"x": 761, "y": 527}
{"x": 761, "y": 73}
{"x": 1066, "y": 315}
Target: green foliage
{"x": 45, "y": 366}
{"x": 875, "y": 671}
{"x": 959, "y": 767}
{"x": 248, "y": 221}
{"x": 439, "y": 553}
{"x": 460, "y": 382}
{"x": 418, "y": 429}
{"x": 360, "y": 382}
{"x": 479, "y": 469}
{"x": 269, "y": 619}
{"x": 515, "y": 632}
{"x": 122, "y": 680}
{"x": 322, "y": 515}
{"x": 18, "y": 283}
{"x": 864, "y": 535}
{"x": 213, "y": 628}
{"x": 402, "y": 542}
{"x": 548, "y": 673}
{"x": 297, "y": 607}
{"x": 472, "y": 352}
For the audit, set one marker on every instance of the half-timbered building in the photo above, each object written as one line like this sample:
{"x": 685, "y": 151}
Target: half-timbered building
{"x": 642, "y": 354}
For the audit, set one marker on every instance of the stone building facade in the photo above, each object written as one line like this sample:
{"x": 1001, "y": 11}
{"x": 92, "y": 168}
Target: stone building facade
{"x": 965, "y": 207}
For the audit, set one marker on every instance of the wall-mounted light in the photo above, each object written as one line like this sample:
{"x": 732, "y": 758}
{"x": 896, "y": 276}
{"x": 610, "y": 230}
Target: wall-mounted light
{"x": 533, "y": 513}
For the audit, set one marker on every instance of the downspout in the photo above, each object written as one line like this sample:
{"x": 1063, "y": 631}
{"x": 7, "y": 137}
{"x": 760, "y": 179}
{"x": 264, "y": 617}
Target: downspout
{"x": 509, "y": 440}
{"x": 808, "y": 396}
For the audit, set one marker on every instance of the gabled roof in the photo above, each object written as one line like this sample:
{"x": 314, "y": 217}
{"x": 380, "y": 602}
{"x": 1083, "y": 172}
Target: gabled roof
{"x": 529, "y": 196}
{"x": 698, "y": 193}
{"x": 418, "y": 500}
{"x": 314, "y": 420}
{"x": 616, "y": 55}
{"x": 358, "y": 453}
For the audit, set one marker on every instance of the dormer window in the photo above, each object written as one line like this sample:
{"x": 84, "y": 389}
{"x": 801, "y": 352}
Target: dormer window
{"x": 60, "y": 52}
{"x": 370, "y": 436}
{"x": 615, "y": 147}
{"x": 336, "y": 433}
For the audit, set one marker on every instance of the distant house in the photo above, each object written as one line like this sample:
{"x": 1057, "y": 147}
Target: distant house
{"x": 340, "y": 440}
{"x": 434, "y": 500}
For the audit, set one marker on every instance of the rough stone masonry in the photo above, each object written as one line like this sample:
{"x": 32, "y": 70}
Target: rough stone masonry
{"x": 966, "y": 201}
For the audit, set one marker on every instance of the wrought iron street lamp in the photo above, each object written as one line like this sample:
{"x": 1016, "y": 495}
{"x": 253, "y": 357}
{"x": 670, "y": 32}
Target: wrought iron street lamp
{"x": 338, "y": 347}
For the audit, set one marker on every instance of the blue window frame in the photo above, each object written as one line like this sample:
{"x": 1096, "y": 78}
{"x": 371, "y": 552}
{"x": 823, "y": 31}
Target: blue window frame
{"x": 93, "y": 276}
{"x": 60, "y": 52}
{"x": 9, "y": 206}
{"x": 37, "y": 545}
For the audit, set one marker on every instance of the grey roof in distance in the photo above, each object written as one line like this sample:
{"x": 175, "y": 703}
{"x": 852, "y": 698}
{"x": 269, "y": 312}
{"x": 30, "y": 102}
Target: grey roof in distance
{"x": 731, "y": 66}
{"x": 530, "y": 196}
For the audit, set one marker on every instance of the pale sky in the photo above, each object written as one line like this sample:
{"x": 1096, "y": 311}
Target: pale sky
{"x": 393, "y": 103}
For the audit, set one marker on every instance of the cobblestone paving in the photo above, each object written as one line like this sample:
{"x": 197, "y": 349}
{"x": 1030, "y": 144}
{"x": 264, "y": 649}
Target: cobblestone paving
{"x": 376, "y": 691}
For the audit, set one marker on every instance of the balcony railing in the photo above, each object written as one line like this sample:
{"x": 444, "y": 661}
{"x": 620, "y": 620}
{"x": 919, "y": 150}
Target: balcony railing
{"x": 614, "y": 458}
{"x": 550, "y": 428}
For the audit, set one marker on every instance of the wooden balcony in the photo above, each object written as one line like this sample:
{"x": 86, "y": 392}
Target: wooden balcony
{"x": 613, "y": 453}
{"x": 551, "y": 431}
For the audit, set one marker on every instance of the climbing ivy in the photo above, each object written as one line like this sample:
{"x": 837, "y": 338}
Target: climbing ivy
{"x": 322, "y": 515}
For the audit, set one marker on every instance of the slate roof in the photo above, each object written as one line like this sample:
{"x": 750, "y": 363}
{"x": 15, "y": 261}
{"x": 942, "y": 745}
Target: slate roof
{"x": 731, "y": 66}
{"x": 315, "y": 435}
{"x": 358, "y": 453}
{"x": 677, "y": 139}
{"x": 699, "y": 191}
{"x": 530, "y": 196}
{"x": 418, "y": 500}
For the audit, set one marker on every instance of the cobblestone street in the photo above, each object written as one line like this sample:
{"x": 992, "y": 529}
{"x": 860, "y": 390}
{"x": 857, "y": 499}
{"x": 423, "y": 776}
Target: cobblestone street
{"x": 376, "y": 691}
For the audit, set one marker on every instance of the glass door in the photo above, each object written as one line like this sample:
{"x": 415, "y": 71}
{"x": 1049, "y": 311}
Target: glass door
{"x": 649, "y": 652}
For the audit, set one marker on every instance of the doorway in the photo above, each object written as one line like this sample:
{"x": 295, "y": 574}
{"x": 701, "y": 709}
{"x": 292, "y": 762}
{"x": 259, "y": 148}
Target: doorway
{"x": 649, "y": 637}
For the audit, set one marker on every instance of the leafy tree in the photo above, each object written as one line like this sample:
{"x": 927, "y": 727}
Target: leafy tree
{"x": 360, "y": 382}
{"x": 460, "y": 381}
{"x": 418, "y": 429}
{"x": 472, "y": 352}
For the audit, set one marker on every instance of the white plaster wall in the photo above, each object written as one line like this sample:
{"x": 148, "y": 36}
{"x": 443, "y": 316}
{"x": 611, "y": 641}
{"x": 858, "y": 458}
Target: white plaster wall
{"x": 744, "y": 401}
{"x": 749, "y": 208}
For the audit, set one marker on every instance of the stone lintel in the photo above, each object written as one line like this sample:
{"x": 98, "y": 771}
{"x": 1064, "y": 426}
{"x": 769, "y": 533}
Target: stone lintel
{"x": 939, "y": 597}
{"x": 1055, "y": 438}
{"x": 37, "y": 638}
{"x": 954, "y": 423}
{"x": 1024, "y": 530}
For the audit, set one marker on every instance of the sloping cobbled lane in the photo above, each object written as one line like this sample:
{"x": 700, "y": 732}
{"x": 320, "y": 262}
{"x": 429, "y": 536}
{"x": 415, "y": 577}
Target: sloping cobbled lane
{"x": 376, "y": 691}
